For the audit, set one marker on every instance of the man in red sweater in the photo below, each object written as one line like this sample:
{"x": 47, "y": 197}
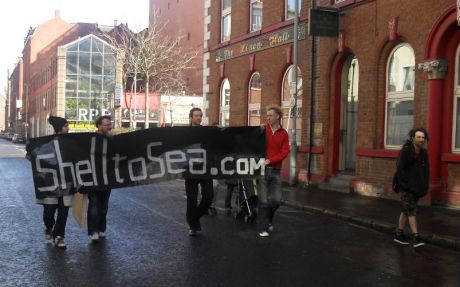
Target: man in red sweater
{"x": 277, "y": 148}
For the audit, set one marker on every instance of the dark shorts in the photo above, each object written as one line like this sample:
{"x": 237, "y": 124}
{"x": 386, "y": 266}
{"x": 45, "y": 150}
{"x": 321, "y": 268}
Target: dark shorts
{"x": 409, "y": 203}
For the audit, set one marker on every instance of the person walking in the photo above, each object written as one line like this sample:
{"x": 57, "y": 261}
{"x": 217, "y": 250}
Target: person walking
{"x": 194, "y": 210}
{"x": 55, "y": 225}
{"x": 277, "y": 148}
{"x": 98, "y": 204}
{"x": 413, "y": 175}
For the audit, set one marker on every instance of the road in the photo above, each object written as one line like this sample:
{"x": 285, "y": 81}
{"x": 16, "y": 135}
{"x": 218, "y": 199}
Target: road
{"x": 148, "y": 245}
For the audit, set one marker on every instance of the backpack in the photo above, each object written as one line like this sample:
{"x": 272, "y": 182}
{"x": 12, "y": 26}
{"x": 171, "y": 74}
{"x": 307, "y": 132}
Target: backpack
{"x": 395, "y": 183}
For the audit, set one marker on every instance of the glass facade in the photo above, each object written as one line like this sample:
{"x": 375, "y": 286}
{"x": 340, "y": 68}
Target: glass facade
{"x": 89, "y": 80}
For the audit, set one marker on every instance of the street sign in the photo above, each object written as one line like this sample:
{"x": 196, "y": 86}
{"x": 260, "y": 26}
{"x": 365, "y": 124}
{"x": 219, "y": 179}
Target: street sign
{"x": 323, "y": 22}
{"x": 118, "y": 93}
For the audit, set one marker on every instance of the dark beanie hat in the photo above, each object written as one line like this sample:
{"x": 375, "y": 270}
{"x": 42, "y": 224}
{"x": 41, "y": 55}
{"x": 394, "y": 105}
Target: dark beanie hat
{"x": 57, "y": 123}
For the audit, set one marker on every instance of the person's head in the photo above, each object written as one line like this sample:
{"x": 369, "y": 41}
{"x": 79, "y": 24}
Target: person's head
{"x": 418, "y": 136}
{"x": 274, "y": 114}
{"x": 195, "y": 116}
{"x": 60, "y": 125}
{"x": 104, "y": 124}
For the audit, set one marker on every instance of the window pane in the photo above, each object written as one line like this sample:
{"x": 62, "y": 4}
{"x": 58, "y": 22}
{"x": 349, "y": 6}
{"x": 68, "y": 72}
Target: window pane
{"x": 401, "y": 70}
{"x": 84, "y": 60}
{"x": 85, "y": 45}
{"x": 289, "y": 83}
{"x": 256, "y": 8}
{"x": 109, "y": 64}
{"x": 71, "y": 109}
{"x": 457, "y": 125}
{"x": 290, "y": 9}
{"x": 96, "y": 86}
{"x": 71, "y": 87}
{"x": 225, "y": 120}
{"x": 226, "y": 4}
{"x": 225, "y": 94}
{"x": 255, "y": 89}
{"x": 400, "y": 120}
{"x": 83, "y": 87}
{"x": 98, "y": 46}
{"x": 73, "y": 47}
{"x": 96, "y": 64}
{"x": 226, "y": 27}
{"x": 71, "y": 65}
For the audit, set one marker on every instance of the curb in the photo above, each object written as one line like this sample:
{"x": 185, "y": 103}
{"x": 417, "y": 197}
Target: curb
{"x": 382, "y": 226}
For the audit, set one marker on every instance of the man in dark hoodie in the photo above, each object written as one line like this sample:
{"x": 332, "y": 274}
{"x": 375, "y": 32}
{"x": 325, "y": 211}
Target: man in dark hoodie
{"x": 413, "y": 178}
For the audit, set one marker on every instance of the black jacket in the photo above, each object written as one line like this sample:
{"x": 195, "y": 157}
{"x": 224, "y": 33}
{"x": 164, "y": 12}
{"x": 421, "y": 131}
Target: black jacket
{"x": 413, "y": 170}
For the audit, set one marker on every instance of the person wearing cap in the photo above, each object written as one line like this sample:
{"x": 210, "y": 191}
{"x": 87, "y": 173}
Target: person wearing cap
{"x": 55, "y": 226}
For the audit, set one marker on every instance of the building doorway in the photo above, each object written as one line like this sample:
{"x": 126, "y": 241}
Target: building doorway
{"x": 348, "y": 115}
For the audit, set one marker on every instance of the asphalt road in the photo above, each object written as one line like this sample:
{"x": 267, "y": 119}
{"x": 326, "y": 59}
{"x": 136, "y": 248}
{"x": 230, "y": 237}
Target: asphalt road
{"x": 148, "y": 245}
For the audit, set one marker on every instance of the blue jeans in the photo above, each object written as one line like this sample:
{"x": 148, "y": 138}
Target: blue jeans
{"x": 269, "y": 197}
{"x": 98, "y": 206}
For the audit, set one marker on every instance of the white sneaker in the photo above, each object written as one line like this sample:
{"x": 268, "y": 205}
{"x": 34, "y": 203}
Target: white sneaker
{"x": 59, "y": 242}
{"x": 102, "y": 235}
{"x": 264, "y": 234}
{"x": 94, "y": 237}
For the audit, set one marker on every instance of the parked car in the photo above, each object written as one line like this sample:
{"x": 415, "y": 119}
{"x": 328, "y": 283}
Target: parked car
{"x": 9, "y": 135}
{"x": 18, "y": 138}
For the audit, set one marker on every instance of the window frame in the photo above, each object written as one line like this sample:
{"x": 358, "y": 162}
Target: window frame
{"x": 227, "y": 12}
{"x": 396, "y": 96}
{"x": 251, "y": 15}
{"x": 286, "y": 6}
{"x": 224, "y": 108}
{"x": 287, "y": 104}
{"x": 251, "y": 105}
{"x": 456, "y": 95}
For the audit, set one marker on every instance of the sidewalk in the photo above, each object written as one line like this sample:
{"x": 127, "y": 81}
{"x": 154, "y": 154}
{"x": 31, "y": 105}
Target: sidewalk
{"x": 437, "y": 225}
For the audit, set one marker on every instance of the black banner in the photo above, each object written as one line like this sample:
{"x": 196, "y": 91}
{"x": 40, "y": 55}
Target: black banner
{"x": 67, "y": 163}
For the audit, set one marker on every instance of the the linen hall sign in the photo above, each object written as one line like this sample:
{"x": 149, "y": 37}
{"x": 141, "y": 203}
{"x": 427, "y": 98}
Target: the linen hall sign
{"x": 260, "y": 43}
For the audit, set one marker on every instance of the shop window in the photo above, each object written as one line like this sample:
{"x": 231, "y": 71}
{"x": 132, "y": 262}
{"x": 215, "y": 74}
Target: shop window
{"x": 225, "y": 103}
{"x": 287, "y": 101}
{"x": 290, "y": 8}
{"x": 226, "y": 22}
{"x": 399, "y": 114}
{"x": 256, "y": 15}
{"x": 255, "y": 96}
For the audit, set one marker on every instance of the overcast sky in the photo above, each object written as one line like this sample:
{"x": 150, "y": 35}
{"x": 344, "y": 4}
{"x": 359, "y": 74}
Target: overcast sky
{"x": 18, "y": 15}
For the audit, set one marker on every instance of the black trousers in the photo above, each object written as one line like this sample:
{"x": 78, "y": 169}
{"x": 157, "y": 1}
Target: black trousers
{"x": 194, "y": 209}
{"x": 56, "y": 225}
{"x": 98, "y": 207}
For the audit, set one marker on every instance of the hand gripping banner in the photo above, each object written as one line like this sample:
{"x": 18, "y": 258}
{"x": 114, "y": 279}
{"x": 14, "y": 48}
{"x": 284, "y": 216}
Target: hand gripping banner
{"x": 78, "y": 162}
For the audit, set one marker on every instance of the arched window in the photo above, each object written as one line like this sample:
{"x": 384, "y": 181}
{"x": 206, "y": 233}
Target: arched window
{"x": 399, "y": 114}
{"x": 287, "y": 96}
{"x": 255, "y": 95}
{"x": 456, "y": 117}
{"x": 225, "y": 103}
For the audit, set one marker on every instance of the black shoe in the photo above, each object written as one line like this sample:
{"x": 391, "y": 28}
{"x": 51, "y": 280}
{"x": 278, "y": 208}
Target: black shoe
{"x": 417, "y": 241}
{"x": 401, "y": 239}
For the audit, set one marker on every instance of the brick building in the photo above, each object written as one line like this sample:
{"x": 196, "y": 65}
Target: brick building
{"x": 394, "y": 66}
{"x": 65, "y": 71}
{"x": 182, "y": 18}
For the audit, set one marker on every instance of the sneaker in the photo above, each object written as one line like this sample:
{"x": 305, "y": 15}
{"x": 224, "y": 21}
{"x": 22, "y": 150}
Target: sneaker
{"x": 102, "y": 235}
{"x": 417, "y": 242}
{"x": 59, "y": 242}
{"x": 94, "y": 237}
{"x": 271, "y": 228}
{"x": 48, "y": 234}
{"x": 264, "y": 233}
{"x": 193, "y": 232}
{"x": 401, "y": 239}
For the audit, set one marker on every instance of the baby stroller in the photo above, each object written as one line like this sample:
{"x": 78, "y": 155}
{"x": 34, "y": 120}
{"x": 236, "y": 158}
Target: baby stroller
{"x": 246, "y": 201}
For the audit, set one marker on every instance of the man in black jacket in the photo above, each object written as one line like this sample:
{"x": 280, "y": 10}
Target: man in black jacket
{"x": 413, "y": 177}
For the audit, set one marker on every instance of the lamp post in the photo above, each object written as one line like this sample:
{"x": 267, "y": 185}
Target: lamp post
{"x": 293, "y": 155}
